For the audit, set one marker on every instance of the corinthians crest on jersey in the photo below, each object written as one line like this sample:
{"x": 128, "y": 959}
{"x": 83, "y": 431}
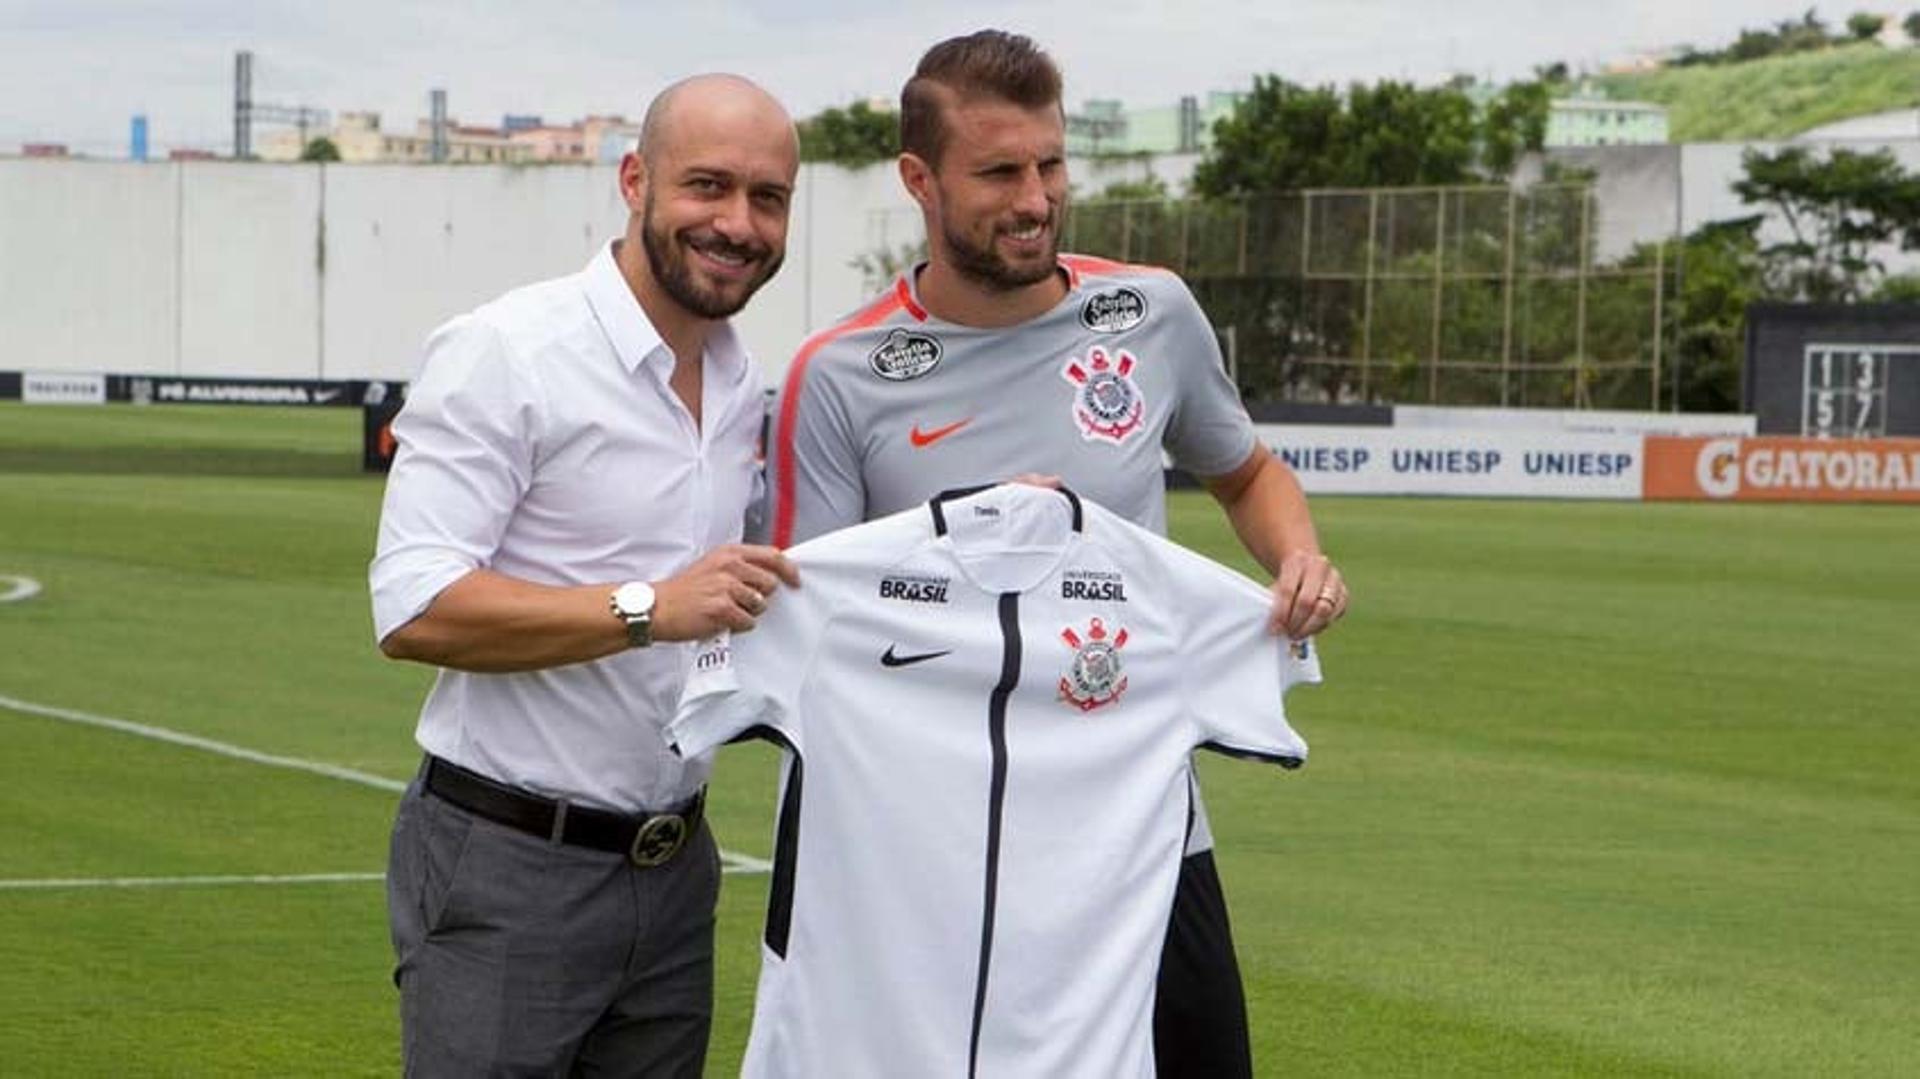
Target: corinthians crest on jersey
{"x": 1094, "y": 677}
{"x": 1107, "y": 406}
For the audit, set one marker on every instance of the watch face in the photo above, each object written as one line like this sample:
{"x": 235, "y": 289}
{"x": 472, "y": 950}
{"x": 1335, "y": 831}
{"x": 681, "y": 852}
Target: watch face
{"x": 634, "y": 598}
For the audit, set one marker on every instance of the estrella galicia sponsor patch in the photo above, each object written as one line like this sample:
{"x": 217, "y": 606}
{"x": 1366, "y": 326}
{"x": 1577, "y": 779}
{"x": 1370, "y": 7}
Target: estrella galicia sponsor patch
{"x": 1095, "y": 676}
{"x": 914, "y": 589}
{"x": 1099, "y": 586}
{"x": 1106, "y": 401}
{"x": 905, "y": 355}
{"x": 1115, "y": 310}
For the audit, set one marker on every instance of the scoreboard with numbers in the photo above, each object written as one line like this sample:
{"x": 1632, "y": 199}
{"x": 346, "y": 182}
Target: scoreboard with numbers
{"x": 1833, "y": 370}
{"x": 1847, "y": 385}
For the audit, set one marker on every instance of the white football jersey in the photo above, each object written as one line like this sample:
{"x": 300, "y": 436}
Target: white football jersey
{"x": 989, "y": 705}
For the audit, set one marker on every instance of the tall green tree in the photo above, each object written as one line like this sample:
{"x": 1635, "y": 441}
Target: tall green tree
{"x": 1838, "y": 211}
{"x": 1864, "y": 26}
{"x": 1719, "y": 273}
{"x": 1284, "y": 136}
{"x": 1512, "y": 124}
{"x": 320, "y": 149}
{"x": 854, "y": 136}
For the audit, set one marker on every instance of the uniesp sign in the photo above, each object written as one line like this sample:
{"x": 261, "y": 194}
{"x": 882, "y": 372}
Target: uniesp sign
{"x": 1437, "y": 461}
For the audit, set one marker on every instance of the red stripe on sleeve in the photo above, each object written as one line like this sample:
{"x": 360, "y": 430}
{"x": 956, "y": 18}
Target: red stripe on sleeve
{"x": 784, "y": 468}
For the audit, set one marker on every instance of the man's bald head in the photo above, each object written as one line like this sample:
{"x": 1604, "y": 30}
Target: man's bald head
{"x": 699, "y": 101}
{"x": 708, "y": 195}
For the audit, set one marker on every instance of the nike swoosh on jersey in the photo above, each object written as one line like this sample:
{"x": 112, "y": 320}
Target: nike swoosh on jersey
{"x": 889, "y": 659}
{"x": 921, "y": 439}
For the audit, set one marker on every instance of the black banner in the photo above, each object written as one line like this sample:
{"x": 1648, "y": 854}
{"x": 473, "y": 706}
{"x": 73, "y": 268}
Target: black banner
{"x": 279, "y": 392}
{"x": 203, "y": 390}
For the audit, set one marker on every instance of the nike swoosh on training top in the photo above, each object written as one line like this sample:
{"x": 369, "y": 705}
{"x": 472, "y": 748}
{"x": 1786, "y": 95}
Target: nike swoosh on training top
{"x": 888, "y": 659}
{"x": 921, "y": 438}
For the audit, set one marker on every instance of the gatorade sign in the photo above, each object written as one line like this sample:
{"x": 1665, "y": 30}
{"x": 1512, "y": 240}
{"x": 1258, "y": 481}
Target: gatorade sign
{"x": 1783, "y": 469}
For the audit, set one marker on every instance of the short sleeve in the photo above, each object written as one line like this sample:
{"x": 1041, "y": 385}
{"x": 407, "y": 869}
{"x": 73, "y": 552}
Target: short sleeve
{"x": 749, "y": 684}
{"x": 466, "y": 456}
{"x": 1237, "y": 673}
{"x": 1209, "y": 433}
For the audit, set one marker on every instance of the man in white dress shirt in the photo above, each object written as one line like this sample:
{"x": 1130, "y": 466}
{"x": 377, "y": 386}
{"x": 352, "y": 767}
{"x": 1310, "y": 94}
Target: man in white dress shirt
{"x": 575, "y": 463}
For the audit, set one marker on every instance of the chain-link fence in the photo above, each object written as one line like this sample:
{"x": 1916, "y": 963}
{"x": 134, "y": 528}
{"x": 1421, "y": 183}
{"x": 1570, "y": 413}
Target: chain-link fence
{"x": 1457, "y": 295}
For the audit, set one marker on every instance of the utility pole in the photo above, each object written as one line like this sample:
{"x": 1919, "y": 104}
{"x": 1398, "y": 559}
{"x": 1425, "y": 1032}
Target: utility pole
{"x": 437, "y": 105}
{"x": 246, "y": 110}
{"x": 242, "y": 105}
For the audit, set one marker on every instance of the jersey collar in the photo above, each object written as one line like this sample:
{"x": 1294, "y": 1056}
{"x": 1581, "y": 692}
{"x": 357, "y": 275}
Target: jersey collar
{"x": 906, "y": 288}
{"x": 936, "y": 504}
{"x": 1009, "y": 537}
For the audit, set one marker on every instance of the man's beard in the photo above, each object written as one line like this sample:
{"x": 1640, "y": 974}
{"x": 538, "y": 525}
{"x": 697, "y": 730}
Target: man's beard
{"x": 669, "y": 262}
{"x": 984, "y": 266}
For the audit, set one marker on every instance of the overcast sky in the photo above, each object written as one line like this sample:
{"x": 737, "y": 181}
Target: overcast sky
{"x": 74, "y": 71}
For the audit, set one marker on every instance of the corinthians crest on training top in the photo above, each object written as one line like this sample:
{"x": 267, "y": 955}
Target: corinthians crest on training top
{"x": 1095, "y": 677}
{"x": 1107, "y": 404}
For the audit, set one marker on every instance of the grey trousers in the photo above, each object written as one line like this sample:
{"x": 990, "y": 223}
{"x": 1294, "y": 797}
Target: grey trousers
{"x": 519, "y": 956}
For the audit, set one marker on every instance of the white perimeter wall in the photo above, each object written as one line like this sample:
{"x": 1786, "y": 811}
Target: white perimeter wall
{"x": 340, "y": 271}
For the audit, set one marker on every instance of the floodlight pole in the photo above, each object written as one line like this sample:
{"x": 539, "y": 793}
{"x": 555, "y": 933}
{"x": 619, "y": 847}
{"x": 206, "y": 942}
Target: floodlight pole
{"x": 243, "y": 105}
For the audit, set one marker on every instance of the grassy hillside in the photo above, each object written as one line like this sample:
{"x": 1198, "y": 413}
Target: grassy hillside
{"x": 1776, "y": 97}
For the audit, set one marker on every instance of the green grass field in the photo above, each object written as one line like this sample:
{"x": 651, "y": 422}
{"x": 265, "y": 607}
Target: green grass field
{"x": 1596, "y": 789}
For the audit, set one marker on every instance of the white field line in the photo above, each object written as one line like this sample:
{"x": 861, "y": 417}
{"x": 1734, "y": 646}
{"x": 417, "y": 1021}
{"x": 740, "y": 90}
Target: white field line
{"x": 55, "y": 883}
{"x": 17, "y": 588}
{"x": 731, "y": 861}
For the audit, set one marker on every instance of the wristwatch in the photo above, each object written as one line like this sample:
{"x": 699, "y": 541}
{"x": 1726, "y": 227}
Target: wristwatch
{"x": 632, "y": 603}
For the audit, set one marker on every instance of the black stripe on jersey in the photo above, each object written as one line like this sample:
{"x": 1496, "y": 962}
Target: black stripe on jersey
{"x": 1280, "y": 759}
{"x": 786, "y": 844}
{"x": 940, "y": 515}
{"x": 996, "y": 801}
{"x": 1079, "y": 518}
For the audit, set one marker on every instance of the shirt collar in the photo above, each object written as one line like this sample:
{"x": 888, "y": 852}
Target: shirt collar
{"x": 632, "y": 333}
{"x": 906, "y": 288}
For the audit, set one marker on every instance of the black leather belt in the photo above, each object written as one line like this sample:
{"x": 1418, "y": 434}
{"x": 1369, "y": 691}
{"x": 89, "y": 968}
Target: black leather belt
{"x": 647, "y": 840}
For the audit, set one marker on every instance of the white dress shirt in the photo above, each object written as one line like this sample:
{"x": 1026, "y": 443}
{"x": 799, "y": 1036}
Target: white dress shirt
{"x": 541, "y": 440}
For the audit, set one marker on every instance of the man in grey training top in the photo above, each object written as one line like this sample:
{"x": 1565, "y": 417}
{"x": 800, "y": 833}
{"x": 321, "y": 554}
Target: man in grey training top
{"x": 999, "y": 356}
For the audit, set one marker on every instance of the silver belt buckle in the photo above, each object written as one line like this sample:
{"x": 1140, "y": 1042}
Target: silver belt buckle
{"x": 658, "y": 840}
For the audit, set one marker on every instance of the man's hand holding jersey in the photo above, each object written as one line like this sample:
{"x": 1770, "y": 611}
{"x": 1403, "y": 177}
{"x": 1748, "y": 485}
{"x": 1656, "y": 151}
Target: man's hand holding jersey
{"x": 1308, "y": 595}
{"x": 726, "y": 590}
